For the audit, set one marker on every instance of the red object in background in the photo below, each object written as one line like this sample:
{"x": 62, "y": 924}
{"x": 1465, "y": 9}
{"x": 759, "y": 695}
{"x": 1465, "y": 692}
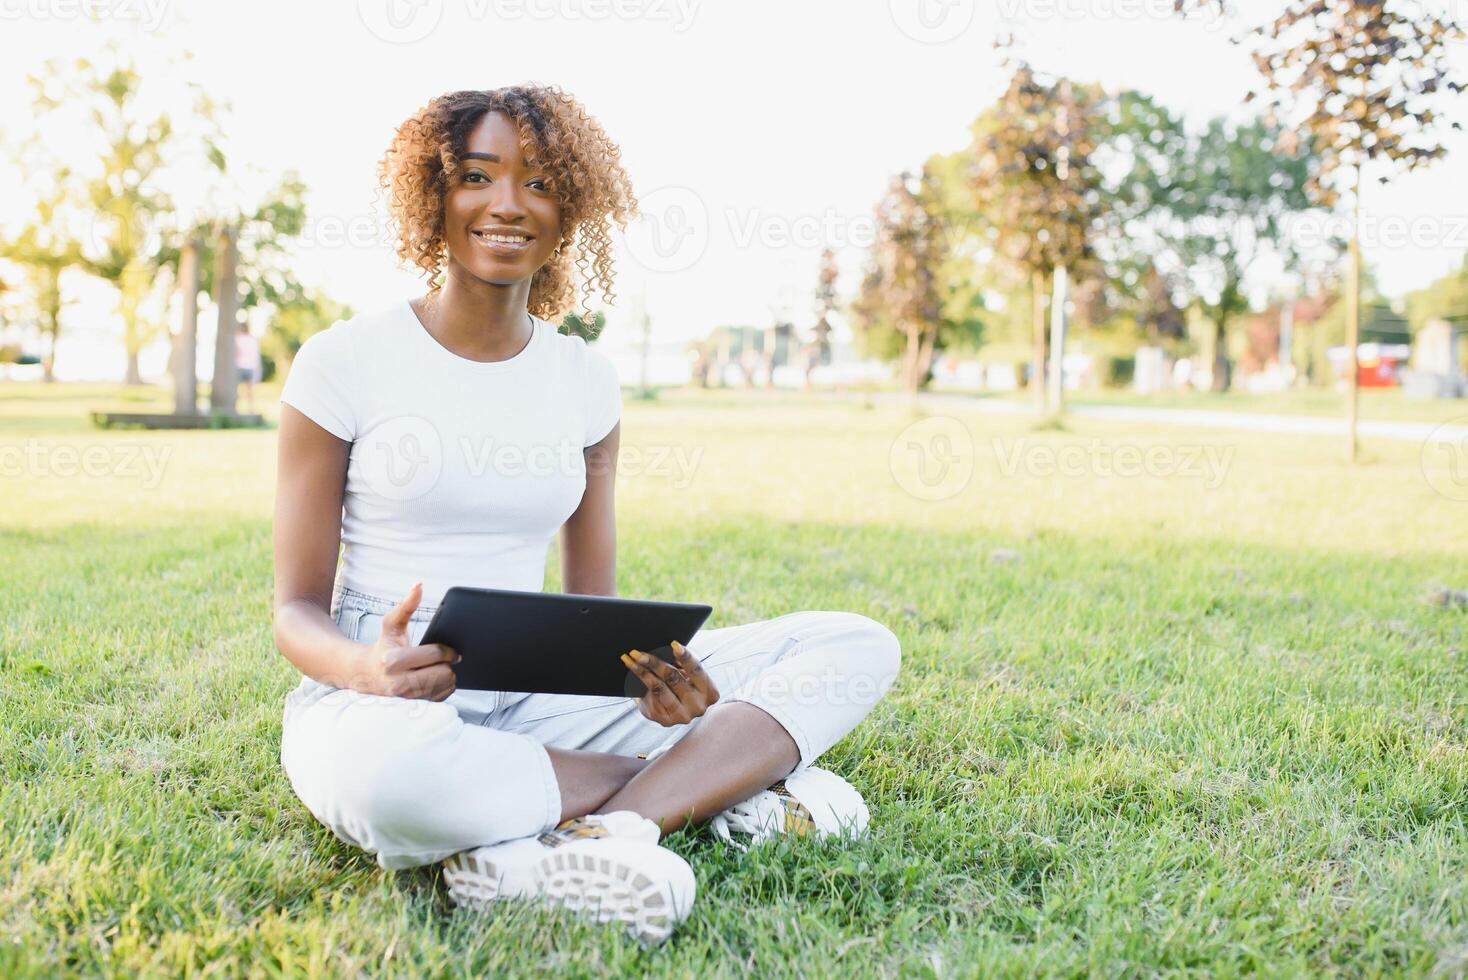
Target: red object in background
{"x": 1376, "y": 364}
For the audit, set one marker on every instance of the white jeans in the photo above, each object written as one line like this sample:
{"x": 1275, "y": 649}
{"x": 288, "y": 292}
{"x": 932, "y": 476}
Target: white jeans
{"x": 414, "y": 781}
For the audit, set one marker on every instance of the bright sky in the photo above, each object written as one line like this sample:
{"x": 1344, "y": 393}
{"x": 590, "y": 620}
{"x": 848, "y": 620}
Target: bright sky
{"x": 755, "y": 131}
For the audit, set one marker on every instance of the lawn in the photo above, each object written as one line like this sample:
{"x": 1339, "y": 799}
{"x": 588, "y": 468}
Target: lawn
{"x": 1200, "y": 718}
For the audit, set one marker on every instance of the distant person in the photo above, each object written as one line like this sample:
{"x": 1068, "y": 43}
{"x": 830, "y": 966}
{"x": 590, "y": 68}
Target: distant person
{"x": 505, "y": 201}
{"x": 247, "y": 362}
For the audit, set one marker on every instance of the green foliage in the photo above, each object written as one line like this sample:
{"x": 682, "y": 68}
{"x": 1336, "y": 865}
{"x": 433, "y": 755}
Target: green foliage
{"x": 312, "y": 312}
{"x": 1445, "y": 299}
{"x": 587, "y": 327}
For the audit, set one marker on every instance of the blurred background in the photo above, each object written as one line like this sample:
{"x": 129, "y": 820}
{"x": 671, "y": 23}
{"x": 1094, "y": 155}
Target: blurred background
{"x": 1138, "y": 199}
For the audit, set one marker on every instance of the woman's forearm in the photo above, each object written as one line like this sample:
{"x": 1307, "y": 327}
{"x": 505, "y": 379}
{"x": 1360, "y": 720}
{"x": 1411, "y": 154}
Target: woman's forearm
{"x": 311, "y": 640}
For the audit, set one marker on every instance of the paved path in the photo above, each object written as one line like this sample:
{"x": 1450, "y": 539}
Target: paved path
{"x": 1207, "y": 418}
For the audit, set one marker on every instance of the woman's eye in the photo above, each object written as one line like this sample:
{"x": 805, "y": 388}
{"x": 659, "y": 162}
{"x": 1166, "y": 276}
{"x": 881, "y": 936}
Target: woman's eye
{"x": 540, "y": 183}
{"x": 475, "y": 177}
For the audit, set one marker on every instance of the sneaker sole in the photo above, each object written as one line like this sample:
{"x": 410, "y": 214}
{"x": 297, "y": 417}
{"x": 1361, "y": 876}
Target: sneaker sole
{"x": 473, "y": 879}
{"x": 644, "y": 887}
{"x": 639, "y": 885}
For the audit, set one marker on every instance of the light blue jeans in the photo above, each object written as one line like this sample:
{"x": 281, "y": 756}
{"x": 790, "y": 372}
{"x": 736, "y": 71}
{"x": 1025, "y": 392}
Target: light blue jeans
{"x": 415, "y": 781}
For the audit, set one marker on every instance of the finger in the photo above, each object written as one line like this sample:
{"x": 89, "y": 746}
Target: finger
{"x": 657, "y": 688}
{"x": 690, "y": 665}
{"x": 431, "y": 683}
{"x": 688, "y": 701}
{"x": 395, "y": 620}
{"x": 424, "y": 655}
{"x": 669, "y": 674}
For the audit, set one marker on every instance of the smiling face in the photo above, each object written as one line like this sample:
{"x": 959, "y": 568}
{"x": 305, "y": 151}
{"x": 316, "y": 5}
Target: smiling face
{"x": 501, "y": 220}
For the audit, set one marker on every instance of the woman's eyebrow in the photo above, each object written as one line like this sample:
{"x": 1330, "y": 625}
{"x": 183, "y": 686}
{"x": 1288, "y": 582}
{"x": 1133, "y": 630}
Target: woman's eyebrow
{"x": 476, "y": 155}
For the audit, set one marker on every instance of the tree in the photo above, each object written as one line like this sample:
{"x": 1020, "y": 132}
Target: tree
{"x": 1036, "y": 183}
{"x": 125, "y": 197}
{"x": 911, "y": 303}
{"x": 1216, "y": 201}
{"x": 1443, "y": 299}
{"x": 1361, "y": 78}
{"x": 44, "y": 248}
{"x": 818, "y": 351}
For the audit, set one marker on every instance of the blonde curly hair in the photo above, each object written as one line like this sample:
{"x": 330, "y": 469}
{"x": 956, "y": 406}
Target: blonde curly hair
{"x": 558, "y": 136}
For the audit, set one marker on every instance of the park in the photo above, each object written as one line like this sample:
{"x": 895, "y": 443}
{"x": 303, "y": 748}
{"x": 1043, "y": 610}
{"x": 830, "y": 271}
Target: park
{"x": 1182, "y": 653}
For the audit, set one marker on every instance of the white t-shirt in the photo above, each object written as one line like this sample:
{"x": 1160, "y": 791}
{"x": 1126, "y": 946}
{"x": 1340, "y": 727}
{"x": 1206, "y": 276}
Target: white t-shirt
{"x": 460, "y": 471}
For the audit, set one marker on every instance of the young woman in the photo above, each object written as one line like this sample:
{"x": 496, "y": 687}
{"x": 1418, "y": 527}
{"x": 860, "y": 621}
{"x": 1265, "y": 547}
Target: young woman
{"x": 444, "y": 441}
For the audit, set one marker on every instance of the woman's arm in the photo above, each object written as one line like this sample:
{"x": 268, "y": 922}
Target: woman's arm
{"x": 589, "y": 537}
{"x": 311, "y": 476}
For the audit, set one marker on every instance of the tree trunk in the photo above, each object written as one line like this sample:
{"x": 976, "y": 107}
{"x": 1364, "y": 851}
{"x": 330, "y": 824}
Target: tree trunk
{"x": 1221, "y": 371}
{"x": 185, "y": 380}
{"x": 1037, "y": 333}
{"x": 53, "y": 323}
{"x": 1057, "y": 341}
{"x": 226, "y": 376}
{"x": 1353, "y": 321}
{"x": 910, "y": 357}
{"x": 48, "y": 363}
{"x": 134, "y": 376}
{"x": 924, "y": 364}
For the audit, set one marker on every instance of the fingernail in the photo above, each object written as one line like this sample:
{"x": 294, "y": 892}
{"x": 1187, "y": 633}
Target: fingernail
{"x": 626, "y": 660}
{"x": 678, "y": 648}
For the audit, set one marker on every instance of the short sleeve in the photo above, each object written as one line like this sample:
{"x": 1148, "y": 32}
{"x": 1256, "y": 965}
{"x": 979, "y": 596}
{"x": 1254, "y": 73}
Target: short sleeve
{"x": 603, "y": 396}
{"x": 320, "y": 383}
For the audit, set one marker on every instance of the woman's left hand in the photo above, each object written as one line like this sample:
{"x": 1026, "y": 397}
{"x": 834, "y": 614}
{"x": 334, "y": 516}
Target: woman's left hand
{"x": 675, "y": 694}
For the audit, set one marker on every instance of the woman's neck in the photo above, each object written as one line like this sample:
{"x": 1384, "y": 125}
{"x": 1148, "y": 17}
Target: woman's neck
{"x": 475, "y": 319}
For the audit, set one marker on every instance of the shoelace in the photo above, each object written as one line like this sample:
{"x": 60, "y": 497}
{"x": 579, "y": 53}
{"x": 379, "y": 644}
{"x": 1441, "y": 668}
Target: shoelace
{"x": 577, "y": 828}
{"x": 764, "y": 815}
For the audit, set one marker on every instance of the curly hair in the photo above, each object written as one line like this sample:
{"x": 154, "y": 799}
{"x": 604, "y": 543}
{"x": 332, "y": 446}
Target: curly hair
{"x": 557, "y": 136}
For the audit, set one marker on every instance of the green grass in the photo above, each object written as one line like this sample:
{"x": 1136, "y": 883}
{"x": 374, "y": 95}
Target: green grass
{"x": 1145, "y": 723}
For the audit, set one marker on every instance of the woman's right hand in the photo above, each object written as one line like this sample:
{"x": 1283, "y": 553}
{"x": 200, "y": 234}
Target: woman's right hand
{"x": 397, "y": 668}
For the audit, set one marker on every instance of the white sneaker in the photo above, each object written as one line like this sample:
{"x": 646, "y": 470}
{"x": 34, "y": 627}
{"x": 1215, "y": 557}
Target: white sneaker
{"x": 608, "y": 867}
{"x": 811, "y": 801}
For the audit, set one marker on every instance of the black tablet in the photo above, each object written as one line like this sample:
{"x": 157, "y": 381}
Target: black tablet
{"x": 556, "y": 643}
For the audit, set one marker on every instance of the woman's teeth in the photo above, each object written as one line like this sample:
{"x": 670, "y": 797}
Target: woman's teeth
{"x": 503, "y": 239}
